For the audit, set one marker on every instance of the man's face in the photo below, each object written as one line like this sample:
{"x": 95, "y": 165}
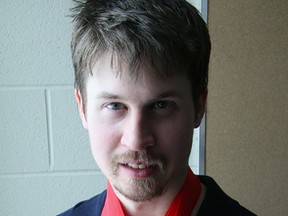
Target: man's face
{"x": 140, "y": 129}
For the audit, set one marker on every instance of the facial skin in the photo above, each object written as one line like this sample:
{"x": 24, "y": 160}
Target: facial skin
{"x": 140, "y": 129}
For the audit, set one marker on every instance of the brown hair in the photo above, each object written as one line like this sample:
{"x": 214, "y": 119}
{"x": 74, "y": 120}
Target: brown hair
{"x": 169, "y": 34}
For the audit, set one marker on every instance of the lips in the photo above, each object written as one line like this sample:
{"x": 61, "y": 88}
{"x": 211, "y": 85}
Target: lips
{"x": 137, "y": 170}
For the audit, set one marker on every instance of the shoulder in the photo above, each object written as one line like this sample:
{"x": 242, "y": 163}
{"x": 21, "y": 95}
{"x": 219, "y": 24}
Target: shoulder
{"x": 89, "y": 207}
{"x": 216, "y": 202}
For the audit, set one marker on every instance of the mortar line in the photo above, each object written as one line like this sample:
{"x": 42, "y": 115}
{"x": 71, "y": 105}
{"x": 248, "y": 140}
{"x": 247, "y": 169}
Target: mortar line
{"x": 34, "y": 87}
{"x": 52, "y": 174}
{"x": 49, "y": 129}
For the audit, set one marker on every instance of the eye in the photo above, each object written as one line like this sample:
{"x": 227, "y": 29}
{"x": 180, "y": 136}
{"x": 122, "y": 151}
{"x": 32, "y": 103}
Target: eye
{"x": 163, "y": 104}
{"x": 116, "y": 106}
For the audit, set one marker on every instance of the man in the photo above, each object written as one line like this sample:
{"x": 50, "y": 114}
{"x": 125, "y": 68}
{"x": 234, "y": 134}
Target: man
{"x": 141, "y": 72}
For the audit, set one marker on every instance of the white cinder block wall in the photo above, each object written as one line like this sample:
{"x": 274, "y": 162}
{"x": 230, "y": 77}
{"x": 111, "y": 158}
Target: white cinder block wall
{"x": 45, "y": 160}
{"x": 46, "y": 165}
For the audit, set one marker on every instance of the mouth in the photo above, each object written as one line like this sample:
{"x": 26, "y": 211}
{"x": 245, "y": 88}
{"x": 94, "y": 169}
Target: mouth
{"x": 138, "y": 170}
{"x": 137, "y": 166}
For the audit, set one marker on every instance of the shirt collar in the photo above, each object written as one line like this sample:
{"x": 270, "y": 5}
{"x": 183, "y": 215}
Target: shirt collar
{"x": 112, "y": 204}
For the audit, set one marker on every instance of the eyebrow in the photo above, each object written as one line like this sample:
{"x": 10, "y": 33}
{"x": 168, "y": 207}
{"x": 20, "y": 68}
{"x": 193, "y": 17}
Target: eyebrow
{"x": 107, "y": 95}
{"x": 169, "y": 93}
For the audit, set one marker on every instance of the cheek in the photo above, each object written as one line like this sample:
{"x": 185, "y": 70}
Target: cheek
{"x": 103, "y": 141}
{"x": 177, "y": 140}
{"x": 182, "y": 141}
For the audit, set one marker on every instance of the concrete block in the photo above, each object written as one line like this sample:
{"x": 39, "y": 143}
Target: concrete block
{"x": 70, "y": 139}
{"x": 23, "y": 131}
{"x": 47, "y": 194}
{"x": 35, "y": 41}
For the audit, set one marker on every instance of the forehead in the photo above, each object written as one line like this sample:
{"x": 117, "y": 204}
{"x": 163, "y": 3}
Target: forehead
{"x": 120, "y": 66}
{"x": 113, "y": 76}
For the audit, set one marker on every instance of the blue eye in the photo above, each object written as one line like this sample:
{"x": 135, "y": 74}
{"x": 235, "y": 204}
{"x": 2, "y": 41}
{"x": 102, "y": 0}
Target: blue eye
{"x": 115, "y": 106}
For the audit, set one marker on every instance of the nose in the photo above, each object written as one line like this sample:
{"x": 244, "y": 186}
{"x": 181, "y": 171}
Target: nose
{"x": 137, "y": 133}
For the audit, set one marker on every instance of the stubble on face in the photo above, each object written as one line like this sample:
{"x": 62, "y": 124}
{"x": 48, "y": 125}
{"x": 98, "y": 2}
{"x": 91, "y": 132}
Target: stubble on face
{"x": 140, "y": 189}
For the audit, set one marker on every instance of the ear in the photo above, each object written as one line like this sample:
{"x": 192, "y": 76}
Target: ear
{"x": 81, "y": 109}
{"x": 200, "y": 109}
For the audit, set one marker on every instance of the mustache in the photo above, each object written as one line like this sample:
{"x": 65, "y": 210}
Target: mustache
{"x": 140, "y": 157}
